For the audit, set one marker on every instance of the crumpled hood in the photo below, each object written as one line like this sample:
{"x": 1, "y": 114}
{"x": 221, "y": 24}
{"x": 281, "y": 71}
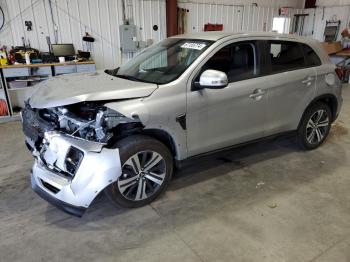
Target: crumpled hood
{"x": 97, "y": 86}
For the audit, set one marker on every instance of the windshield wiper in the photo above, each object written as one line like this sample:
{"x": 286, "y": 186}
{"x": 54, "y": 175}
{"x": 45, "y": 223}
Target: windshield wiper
{"x": 129, "y": 77}
{"x": 132, "y": 78}
{"x": 112, "y": 72}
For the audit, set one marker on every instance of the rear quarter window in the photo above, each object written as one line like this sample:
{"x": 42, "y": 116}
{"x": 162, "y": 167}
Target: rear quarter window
{"x": 311, "y": 57}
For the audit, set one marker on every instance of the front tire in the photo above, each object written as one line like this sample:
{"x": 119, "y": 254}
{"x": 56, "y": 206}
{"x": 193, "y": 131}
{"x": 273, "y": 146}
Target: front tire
{"x": 315, "y": 126}
{"x": 147, "y": 167}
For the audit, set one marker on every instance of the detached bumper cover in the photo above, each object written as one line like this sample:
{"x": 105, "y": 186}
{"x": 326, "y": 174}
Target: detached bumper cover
{"x": 98, "y": 168}
{"x": 70, "y": 209}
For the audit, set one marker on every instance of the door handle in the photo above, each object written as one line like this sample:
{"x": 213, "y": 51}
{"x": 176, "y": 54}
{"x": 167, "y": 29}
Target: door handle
{"x": 257, "y": 94}
{"x": 308, "y": 80}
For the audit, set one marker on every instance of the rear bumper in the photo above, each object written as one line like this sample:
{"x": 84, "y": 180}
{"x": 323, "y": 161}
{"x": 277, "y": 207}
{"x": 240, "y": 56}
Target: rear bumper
{"x": 340, "y": 104}
{"x": 98, "y": 168}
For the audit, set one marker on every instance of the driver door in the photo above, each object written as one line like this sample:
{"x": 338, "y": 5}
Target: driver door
{"x": 218, "y": 118}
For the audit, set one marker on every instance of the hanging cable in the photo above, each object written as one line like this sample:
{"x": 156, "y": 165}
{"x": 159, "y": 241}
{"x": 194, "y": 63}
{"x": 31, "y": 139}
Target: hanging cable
{"x": 55, "y": 31}
{"x": 124, "y": 12}
{"x": 3, "y": 18}
{"x": 19, "y": 14}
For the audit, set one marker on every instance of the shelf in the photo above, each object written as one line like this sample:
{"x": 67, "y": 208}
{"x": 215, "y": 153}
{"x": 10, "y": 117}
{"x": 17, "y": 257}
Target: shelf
{"x": 18, "y": 88}
{"x": 19, "y": 81}
{"x": 4, "y": 119}
{"x": 2, "y": 94}
{"x": 29, "y": 76}
{"x": 17, "y": 115}
{"x": 29, "y": 80}
{"x": 89, "y": 62}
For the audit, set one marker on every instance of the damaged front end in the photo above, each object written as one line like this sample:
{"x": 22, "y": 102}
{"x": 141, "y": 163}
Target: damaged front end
{"x": 89, "y": 121}
{"x": 73, "y": 150}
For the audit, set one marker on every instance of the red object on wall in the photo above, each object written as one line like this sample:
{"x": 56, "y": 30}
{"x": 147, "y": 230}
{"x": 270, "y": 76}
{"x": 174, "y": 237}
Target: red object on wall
{"x": 171, "y": 17}
{"x": 213, "y": 27}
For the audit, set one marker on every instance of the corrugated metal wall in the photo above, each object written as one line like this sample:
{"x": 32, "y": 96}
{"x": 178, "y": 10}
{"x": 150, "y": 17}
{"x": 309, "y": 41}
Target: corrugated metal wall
{"x": 199, "y": 14}
{"x": 324, "y": 14}
{"x": 101, "y": 18}
{"x": 252, "y": 18}
{"x": 332, "y": 2}
{"x": 237, "y": 18}
{"x": 265, "y": 3}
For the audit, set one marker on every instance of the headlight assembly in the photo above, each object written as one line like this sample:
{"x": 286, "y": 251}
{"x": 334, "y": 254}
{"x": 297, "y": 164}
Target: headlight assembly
{"x": 73, "y": 159}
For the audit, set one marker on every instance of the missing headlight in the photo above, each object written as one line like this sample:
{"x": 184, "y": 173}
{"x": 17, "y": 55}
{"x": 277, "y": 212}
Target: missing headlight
{"x": 90, "y": 121}
{"x": 73, "y": 160}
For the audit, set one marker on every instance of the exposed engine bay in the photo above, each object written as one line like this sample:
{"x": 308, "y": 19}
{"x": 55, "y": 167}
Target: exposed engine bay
{"x": 87, "y": 120}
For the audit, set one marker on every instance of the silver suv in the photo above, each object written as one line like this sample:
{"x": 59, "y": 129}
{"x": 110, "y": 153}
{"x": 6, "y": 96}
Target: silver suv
{"x": 122, "y": 131}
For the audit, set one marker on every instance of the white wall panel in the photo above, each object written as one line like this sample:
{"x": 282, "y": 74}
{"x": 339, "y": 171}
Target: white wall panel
{"x": 7, "y": 35}
{"x": 40, "y": 21}
{"x": 262, "y": 3}
{"x": 258, "y": 18}
{"x": 234, "y": 18}
{"x": 200, "y": 14}
{"x": 332, "y": 2}
{"x": 329, "y": 13}
{"x": 261, "y": 18}
{"x": 308, "y": 20}
{"x": 72, "y": 18}
{"x": 101, "y": 18}
{"x": 147, "y": 14}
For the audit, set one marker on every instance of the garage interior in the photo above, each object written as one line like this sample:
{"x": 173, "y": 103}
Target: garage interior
{"x": 267, "y": 201}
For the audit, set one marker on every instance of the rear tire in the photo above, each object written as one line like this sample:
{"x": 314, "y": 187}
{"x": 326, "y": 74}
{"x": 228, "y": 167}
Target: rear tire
{"x": 147, "y": 167}
{"x": 315, "y": 126}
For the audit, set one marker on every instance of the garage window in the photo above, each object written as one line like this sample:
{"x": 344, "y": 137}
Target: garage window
{"x": 238, "y": 61}
{"x": 285, "y": 56}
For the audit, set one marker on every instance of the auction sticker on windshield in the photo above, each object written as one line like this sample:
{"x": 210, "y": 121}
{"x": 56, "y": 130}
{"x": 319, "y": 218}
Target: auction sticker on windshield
{"x": 197, "y": 46}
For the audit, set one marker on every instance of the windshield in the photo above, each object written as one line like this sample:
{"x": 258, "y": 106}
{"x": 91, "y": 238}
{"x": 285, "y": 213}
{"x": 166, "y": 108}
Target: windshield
{"x": 163, "y": 62}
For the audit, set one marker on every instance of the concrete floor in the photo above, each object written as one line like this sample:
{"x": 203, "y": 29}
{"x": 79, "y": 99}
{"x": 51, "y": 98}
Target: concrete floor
{"x": 264, "y": 202}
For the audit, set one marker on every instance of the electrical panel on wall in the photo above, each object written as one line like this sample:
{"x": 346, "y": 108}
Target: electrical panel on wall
{"x": 128, "y": 38}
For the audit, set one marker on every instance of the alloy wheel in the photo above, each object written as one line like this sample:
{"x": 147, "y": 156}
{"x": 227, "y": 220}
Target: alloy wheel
{"x": 142, "y": 175}
{"x": 317, "y": 126}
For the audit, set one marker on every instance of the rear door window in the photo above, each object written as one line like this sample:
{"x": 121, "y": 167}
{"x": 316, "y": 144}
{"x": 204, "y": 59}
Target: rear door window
{"x": 285, "y": 56}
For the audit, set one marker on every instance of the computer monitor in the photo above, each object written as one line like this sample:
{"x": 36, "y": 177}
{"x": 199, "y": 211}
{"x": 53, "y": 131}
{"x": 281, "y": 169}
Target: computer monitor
{"x": 63, "y": 49}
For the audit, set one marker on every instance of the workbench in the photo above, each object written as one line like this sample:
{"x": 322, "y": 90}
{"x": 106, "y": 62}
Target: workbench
{"x": 18, "y": 81}
{"x": 343, "y": 53}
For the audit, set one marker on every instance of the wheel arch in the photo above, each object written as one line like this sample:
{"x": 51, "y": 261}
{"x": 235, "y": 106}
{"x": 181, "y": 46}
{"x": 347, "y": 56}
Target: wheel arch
{"x": 328, "y": 99}
{"x": 164, "y": 137}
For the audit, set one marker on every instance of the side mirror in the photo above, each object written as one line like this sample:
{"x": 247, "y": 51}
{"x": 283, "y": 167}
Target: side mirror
{"x": 213, "y": 79}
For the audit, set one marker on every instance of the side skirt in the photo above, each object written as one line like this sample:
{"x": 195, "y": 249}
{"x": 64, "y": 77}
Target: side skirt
{"x": 186, "y": 162}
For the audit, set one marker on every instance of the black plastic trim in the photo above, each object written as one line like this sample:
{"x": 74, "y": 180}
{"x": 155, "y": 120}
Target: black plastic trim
{"x": 181, "y": 119}
{"x": 68, "y": 208}
{"x": 184, "y": 162}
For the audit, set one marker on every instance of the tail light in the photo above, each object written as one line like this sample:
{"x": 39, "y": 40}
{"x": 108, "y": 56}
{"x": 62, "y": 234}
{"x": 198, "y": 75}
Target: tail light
{"x": 339, "y": 72}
